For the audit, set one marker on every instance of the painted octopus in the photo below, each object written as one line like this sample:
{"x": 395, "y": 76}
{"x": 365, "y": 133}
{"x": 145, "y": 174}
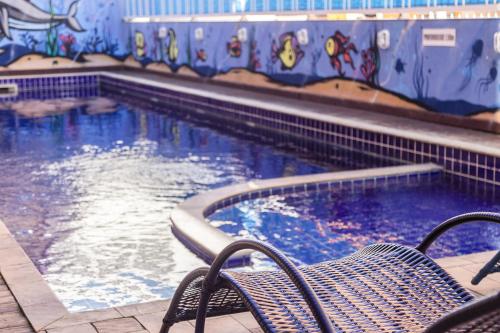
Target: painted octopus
{"x": 484, "y": 83}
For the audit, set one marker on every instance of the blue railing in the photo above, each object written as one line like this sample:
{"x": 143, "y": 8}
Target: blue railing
{"x": 207, "y": 7}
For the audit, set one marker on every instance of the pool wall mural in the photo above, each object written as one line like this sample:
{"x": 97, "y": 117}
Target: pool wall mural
{"x": 333, "y": 59}
{"x": 45, "y": 34}
{"x": 336, "y": 59}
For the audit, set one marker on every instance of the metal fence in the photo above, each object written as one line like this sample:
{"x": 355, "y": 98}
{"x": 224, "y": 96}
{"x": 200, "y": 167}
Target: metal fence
{"x": 208, "y": 7}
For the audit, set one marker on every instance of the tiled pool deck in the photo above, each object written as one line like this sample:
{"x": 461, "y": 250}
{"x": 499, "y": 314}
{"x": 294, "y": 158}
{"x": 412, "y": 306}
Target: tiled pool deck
{"x": 27, "y": 304}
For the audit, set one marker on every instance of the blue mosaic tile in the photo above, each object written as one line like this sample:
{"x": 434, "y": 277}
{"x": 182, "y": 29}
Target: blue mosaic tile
{"x": 472, "y": 170}
{"x": 481, "y": 172}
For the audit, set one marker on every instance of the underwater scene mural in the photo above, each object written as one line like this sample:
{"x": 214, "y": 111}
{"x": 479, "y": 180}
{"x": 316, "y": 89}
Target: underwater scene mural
{"x": 44, "y": 34}
{"x": 338, "y": 59}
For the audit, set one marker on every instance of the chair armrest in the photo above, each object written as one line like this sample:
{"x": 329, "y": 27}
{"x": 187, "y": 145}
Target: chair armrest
{"x": 296, "y": 277}
{"x": 453, "y": 222}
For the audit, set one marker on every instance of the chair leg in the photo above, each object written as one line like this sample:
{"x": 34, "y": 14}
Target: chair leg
{"x": 171, "y": 317}
{"x": 488, "y": 268}
{"x": 201, "y": 314}
{"x": 164, "y": 328}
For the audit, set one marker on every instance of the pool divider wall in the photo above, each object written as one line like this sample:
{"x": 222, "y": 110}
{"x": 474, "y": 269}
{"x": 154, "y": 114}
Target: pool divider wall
{"x": 189, "y": 218}
{"x": 473, "y": 161}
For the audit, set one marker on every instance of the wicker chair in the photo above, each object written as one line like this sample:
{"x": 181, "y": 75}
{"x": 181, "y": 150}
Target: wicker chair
{"x": 382, "y": 288}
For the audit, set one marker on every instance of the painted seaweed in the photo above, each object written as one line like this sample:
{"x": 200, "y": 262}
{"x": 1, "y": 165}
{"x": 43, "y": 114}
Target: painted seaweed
{"x": 420, "y": 80}
{"x": 52, "y": 46}
{"x": 93, "y": 42}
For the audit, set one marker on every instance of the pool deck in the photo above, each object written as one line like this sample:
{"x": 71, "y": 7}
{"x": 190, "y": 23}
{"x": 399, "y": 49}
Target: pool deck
{"x": 28, "y": 305}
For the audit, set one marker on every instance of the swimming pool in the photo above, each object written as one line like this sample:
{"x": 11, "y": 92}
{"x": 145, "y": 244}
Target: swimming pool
{"x": 320, "y": 225}
{"x": 86, "y": 187}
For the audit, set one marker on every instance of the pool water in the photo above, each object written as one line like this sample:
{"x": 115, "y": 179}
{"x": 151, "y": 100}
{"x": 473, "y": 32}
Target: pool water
{"x": 316, "y": 226}
{"x": 86, "y": 187}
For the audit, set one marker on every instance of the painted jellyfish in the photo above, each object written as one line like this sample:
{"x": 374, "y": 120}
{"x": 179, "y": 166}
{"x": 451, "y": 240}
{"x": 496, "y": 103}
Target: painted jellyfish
{"x": 484, "y": 83}
{"x": 475, "y": 54}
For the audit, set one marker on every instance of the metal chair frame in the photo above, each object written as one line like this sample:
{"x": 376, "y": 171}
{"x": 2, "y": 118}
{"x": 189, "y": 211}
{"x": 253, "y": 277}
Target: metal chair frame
{"x": 216, "y": 281}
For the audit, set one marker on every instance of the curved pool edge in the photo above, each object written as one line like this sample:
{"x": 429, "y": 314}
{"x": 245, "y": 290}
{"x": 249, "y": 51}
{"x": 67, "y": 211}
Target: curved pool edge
{"x": 189, "y": 223}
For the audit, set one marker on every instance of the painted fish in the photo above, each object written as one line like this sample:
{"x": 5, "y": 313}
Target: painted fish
{"x": 140, "y": 44}
{"x": 400, "y": 66}
{"x": 173, "y": 50}
{"x": 234, "y": 47}
{"x": 24, "y": 15}
{"x": 338, "y": 45}
{"x": 288, "y": 51}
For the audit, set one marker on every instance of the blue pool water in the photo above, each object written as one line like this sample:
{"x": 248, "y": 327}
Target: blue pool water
{"x": 86, "y": 187}
{"x": 317, "y": 226}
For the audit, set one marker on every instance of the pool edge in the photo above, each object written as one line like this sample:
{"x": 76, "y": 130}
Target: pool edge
{"x": 34, "y": 296}
{"x": 189, "y": 217}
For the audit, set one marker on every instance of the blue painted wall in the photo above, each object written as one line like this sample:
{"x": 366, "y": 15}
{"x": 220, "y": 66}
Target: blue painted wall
{"x": 460, "y": 80}
{"x": 87, "y": 27}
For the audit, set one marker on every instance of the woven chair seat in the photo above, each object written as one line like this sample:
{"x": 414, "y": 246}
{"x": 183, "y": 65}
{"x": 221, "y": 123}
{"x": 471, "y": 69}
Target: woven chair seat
{"x": 382, "y": 288}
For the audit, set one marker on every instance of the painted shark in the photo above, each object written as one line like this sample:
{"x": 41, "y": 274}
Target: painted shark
{"x": 24, "y": 15}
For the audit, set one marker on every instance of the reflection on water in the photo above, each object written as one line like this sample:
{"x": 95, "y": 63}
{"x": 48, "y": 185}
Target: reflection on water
{"x": 37, "y": 109}
{"x": 87, "y": 193}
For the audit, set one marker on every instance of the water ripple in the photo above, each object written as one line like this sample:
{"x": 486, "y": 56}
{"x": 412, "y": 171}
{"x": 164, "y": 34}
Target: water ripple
{"x": 88, "y": 195}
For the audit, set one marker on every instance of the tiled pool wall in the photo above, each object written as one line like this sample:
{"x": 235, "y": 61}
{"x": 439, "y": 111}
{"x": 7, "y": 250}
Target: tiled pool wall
{"x": 322, "y": 152}
{"x": 52, "y": 87}
{"x": 477, "y": 166}
{"x": 414, "y": 178}
{"x": 457, "y": 161}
